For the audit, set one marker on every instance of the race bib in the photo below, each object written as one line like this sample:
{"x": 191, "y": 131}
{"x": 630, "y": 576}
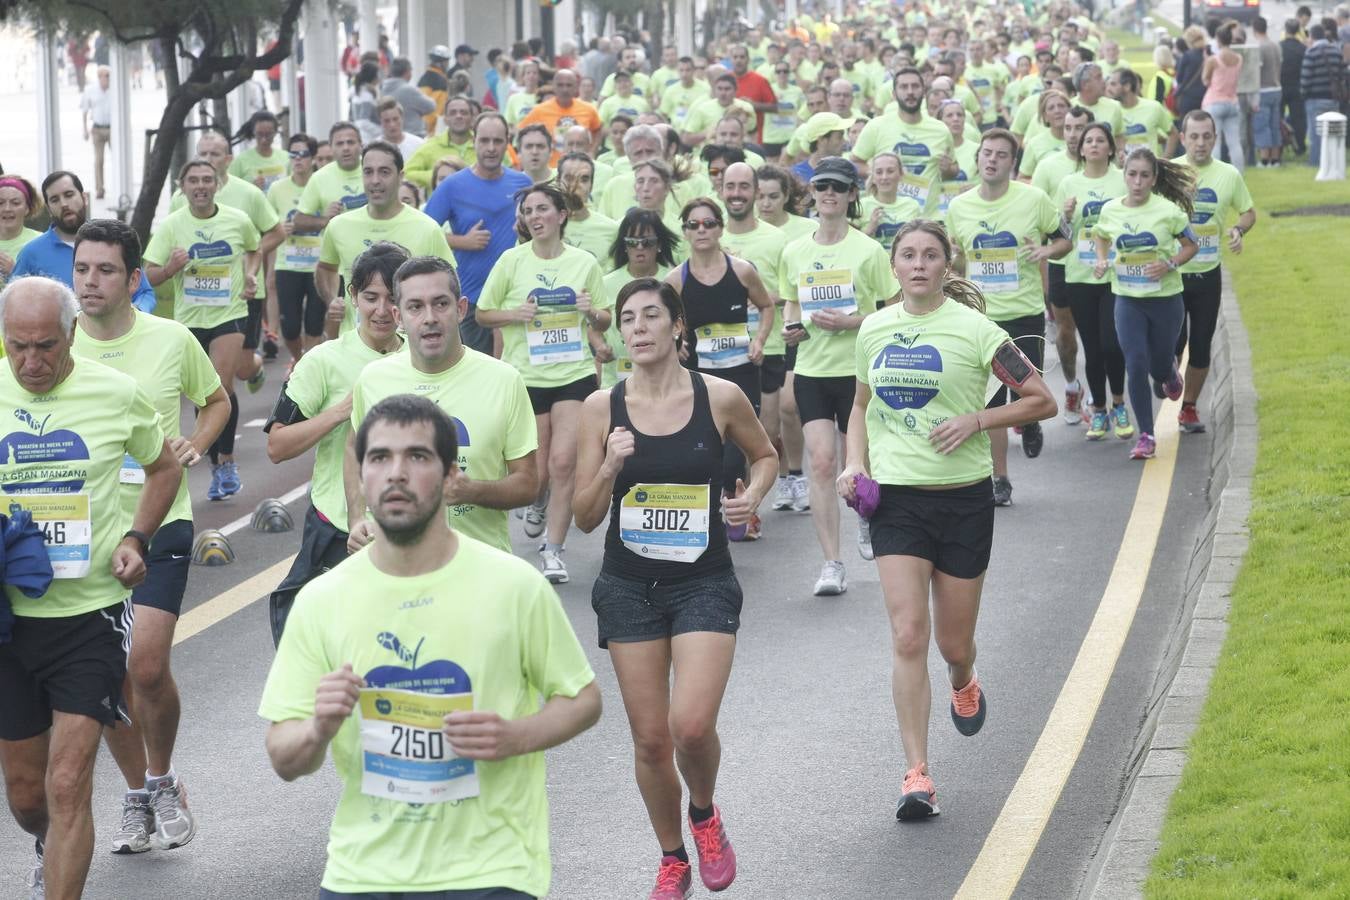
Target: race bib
{"x": 721, "y": 346}
{"x": 950, "y": 191}
{"x": 207, "y": 284}
{"x": 302, "y": 252}
{"x": 405, "y": 755}
{"x": 915, "y": 186}
{"x": 623, "y": 367}
{"x": 1207, "y": 236}
{"x": 67, "y": 530}
{"x": 1130, "y": 271}
{"x": 554, "y": 334}
{"x": 665, "y": 521}
{"x": 823, "y": 289}
{"x": 994, "y": 269}
{"x": 131, "y": 471}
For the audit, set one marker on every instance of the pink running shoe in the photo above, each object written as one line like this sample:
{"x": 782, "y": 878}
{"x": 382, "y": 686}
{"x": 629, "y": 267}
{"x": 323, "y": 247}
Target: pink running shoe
{"x": 1144, "y": 448}
{"x": 673, "y": 880}
{"x": 918, "y": 797}
{"x": 716, "y": 859}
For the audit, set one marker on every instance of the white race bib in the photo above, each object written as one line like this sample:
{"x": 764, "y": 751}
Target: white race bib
{"x": 1130, "y": 272}
{"x": 1207, "y": 236}
{"x": 207, "y": 284}
{"x": 405, "y": 755}
{"x": 994, "y": 269}
{"x": 67, "y": 530}
{"x": 722, "y": 345}
{"x": 823, "y": 289}
{"x": 665, "y": 521}
{"x": 131, "y": 472}
{"x": 302, "y": 252}
{"x": 554, "y": 335}
{"x": 915, "y": 186}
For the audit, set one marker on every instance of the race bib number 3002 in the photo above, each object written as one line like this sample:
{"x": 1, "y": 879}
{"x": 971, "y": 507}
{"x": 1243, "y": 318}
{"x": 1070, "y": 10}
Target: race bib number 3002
{"x": 665, "y": 521}
{"x": 405, "y": 755}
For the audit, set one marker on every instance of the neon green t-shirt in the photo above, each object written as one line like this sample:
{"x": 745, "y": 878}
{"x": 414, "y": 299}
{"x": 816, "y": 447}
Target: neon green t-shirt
{"x": 62, "y": 460}
{"x": 243, "y": 196}
{"x": 208, "y": 291}
{"x": 984, "y": 82}
{"x": 919, "y": 147}
{"x": 321, "y": 380}
{"x": 1108, "y": 111}
{"x": 486, "y": 627}
{"x": 551, "y": 349}
{"x": 705, "y": 115}
{"x": 893, "y": 215}
{"x": 1092, "y": 194}
{"x": 518, "y": 106}
{"x": 168, "y": 363}
{"x": 595, "y": 234}
{"x": 664, "y": 78}
{"x": 331, "y": 184}
{"x": 779, "y": 124}
{"x": 1219, "y": 192}
{"x": 922, "y": 371}
{"x": 300, "y": 251}
{"x": 852, "y": 276}
{"x": 1146, "y": 124}
{"x": 1027, "y": 118}
{"x": 348, "y": 235}
{"x": 631, "y": 106}
{"x": 250, "y": 164}
{"x": 1037, "y": 149}
{"x": 677, "y": 100}
{"x": 621, "y": 367}
{"x": 493, "y": 420}
{"x": 797, "y": 227}
{"x": 763, "y": 249}
{"x": 992, "y": 235}
{"x": 1141, "y": 235}
{"x": 642, "y": 85}
{"x": 1053, "y": 169}
{"x": 12, "y": 247}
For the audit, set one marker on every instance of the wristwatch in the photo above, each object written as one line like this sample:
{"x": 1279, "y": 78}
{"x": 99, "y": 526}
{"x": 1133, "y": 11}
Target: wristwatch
{"x": 140, "y": 536}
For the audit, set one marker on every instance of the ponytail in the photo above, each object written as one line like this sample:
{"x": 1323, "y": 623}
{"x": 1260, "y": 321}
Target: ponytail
{"x": 1173, "y": 181}
{"x": 967, "y": 293}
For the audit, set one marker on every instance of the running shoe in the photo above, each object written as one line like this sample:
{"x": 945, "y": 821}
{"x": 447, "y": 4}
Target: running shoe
{"x": 782, "y": 494}
{"x": 269, "y": 344}
{"x": 255, "y": 383}
{"x": 34, "y": 881}
{"x": 673, "y": 879}
{"x": 1189, "y": 420}
{"x": 755, "y": 530}
{"x": 534, "y": 520}
{"x": 918, "y": 797}
{"x": 801, "y": 494}
{"x": 229, "y": 478}
{"x": 1073, "y": 404}
{"x": 174, "y": 825}
{"x": 1033, "y": 439}
{"x": 1100, "y": 425}
{"x": 1002, "y": 490}
{"x": 1144, "y": 448}
{"x": 969, "y": 707}
{"x": 1124, "y": 427}
{"x": 865, "y": 539}
{"x": 552, "y": 566}
{"x": 716, "y": 858}
{"x": 138, "y": 823}
{"x": 215, "y": 491}
{"x": 1169, "y": 389}
{"x": 832, "y": 581}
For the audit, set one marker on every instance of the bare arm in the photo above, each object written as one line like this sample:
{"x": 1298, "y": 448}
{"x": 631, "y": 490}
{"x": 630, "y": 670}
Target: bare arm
{"x": 744, "y": 430}
{"x": 161, "y": 486}
{"x": 289, "y": 441}
{"x": 486, "y": 735}
{"x": 273, "y": 239}
{"x": 211, "y": 421}
{"x": 519, "y": 487}
{"x": 326, "y": 283}
{"x": 597, "y": 464}
{"x": 297, "y": 747}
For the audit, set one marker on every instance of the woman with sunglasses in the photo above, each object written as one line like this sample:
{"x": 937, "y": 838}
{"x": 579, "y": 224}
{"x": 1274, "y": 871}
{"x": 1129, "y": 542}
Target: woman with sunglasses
{"x": 784, "y": 119}
{"x": 716, "y": 290}
{"x": 645, "y": 248}
{"x": 1081, "y": 195}
{"x": 543, "y": 295}
{"x": 302, "y": 309}
{"x": 667, "y": 600}
{"x": 917, "y": 426}
{"x": 831, "y": 280}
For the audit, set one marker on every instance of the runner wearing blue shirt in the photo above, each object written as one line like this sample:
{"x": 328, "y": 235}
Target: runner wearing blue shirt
{"x": 52, "y": 254}
{"x": 479, "y": 205}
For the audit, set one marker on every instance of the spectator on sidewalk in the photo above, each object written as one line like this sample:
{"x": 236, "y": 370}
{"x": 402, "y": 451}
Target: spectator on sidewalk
{"x": 96, "y": 117}
{"x": 1323, "y": 69}
{"x": 1291, "y": 94}
{"x": 415, "y": 104}
{"x": 1190, "y": 68}
{"x": 1266, "y": 135}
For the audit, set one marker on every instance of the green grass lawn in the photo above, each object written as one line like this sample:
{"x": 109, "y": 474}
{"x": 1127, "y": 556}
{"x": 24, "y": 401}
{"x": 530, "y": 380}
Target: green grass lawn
{"x": 1263, "y": 809}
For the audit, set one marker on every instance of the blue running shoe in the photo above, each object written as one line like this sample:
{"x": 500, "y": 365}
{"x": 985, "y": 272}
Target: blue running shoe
{"x": 229, "y": 479}
{"x": 215, "y": 491}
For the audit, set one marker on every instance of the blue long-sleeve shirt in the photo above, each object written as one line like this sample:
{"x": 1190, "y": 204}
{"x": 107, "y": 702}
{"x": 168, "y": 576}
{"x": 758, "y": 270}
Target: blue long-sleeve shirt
{"x": 51, "y": 257}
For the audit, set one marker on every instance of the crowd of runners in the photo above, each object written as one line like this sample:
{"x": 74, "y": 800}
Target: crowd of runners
{"x": 809, "y": 271}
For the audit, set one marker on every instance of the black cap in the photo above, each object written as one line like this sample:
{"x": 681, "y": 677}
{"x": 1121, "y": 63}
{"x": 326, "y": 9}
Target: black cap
{"x": 836, "y": 168}
{"x": 465, "y": 48}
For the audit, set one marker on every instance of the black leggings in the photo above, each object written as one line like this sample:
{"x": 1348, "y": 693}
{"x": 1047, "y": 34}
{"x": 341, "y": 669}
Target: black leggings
{"x": 300, "y": 305}
{"x": 1094, "y": 314}
{"x": 746, "y": 378}
{"x": 1201, "y": 293}
{"x": 224, "y": 444}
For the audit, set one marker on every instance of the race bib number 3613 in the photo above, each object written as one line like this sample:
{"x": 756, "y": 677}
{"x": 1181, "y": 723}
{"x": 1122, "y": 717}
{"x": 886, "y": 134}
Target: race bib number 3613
{"x": 405, "y": 755}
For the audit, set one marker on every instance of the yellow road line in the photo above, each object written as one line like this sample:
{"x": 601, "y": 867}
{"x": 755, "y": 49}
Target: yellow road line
{"x": 1013, "y": 839}
{"x": 227, "y": 603}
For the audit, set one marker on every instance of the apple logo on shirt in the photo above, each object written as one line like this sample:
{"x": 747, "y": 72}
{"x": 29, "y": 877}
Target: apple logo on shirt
{"x": 905, "y": 374}
{"x": 1142, "y": 241}
{"x": 207, "y": 248}
{"x": 991, "y": 238}
{"x": 905, "y": 149}
{"x": 438, "y": 676}
{"x": 58, "y": 449}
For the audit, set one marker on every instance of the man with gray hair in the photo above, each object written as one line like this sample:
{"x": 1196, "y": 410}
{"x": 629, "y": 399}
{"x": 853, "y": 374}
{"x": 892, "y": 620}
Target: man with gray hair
{"x": 416, "y": 105}
{"x": 62, "y": 667}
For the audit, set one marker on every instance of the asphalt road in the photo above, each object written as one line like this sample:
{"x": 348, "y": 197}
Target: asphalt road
{"x": 811, "y": 762}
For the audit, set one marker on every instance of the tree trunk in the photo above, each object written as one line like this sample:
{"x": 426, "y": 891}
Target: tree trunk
{"x": 171, "y": 130}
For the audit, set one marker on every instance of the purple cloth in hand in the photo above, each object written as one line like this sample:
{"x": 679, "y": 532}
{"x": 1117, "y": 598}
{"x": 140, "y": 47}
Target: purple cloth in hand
{"x": 866, "y": 496}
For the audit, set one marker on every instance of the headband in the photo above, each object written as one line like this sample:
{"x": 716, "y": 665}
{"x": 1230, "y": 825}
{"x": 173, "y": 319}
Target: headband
{"x": 18, "y": 185}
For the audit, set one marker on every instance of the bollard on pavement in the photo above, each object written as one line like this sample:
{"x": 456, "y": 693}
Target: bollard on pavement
{"x": 272, "y": 517}
{"x": 211, "y": 548}
{"x": 1331, "y": 132}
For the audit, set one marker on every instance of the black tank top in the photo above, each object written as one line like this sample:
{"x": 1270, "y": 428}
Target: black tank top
{"x": 691, "y": 456}
{"x": 724, "y": 303}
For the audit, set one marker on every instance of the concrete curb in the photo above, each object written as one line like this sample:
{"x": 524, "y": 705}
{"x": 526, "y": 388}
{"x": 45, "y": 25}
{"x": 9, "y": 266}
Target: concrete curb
{"x": 1121, "y": 864}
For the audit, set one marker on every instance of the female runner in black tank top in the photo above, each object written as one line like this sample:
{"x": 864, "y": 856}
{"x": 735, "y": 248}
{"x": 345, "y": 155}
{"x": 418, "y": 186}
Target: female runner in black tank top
{"x": 649, "y": 456}
{"x": 717, "y": 290}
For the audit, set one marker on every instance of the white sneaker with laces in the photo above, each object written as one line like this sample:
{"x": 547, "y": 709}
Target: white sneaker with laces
{"x": 801, "y": 494}
{"x": 782, "y": 495}
{"x": 552, "y": 566}
{"x": 534, "y": 521}
{"x": 35, "y": 881}
{"x": 831, "y": 582}
{"x": 138, "y": 823}
{"x": 174, "y": 824}
{"x": 865, "y": 539}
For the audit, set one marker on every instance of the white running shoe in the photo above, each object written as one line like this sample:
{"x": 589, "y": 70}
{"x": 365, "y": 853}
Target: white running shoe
{"x": 865, "y": 539}
{"x": 801, "y": 494}
{"x": 534, "y": 521}
{"x": 138, "y": 823}
{"x": 552, "y": 566}
{"x": 34, "y": 881}
{"x": 831, "y": 582}
{"x": 174, "y": 825}
{"x": 1074, "y": 413}
{"x": 782, "y": 496}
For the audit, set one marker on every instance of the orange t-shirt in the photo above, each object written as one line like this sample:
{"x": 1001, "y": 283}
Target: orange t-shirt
{"x": 557, "y": 120}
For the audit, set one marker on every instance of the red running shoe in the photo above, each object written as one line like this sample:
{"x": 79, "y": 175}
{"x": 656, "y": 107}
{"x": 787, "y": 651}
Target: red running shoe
{"x": 673, "y": 880}
{"x": 918, "y": 798}
{"x": 716, "y": 859}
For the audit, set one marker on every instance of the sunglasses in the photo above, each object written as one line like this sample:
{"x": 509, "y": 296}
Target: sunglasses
{"x": 837, "y": 187}
{"x": 782, "y": 71}
{"x": 300, "y": 154}
{"x": 643, "y": 242}
{"x": 714, "y": 171}
{"x": 708, "y": 224}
